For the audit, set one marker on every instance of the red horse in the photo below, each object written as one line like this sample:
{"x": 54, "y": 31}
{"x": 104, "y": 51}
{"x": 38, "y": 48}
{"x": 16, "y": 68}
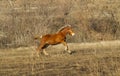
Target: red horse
{"x": 53, "y": 39}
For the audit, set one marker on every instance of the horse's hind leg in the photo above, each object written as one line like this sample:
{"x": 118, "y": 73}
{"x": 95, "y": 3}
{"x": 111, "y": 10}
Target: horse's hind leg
{"x": 39, "y": 49}
{"x": 37, "y": 52}
{"x": 42, "y": 49}
{"x": 45, "y": 46}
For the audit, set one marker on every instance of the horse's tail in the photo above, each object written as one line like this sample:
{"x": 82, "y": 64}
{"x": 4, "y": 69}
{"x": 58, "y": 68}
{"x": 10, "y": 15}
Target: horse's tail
{"x": 37, "y": 37}
{"x": 37, "y": 40}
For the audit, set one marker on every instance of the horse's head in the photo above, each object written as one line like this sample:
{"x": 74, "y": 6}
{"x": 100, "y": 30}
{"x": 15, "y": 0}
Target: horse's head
{"x": 67, "y": 30}
{"x": 70, "y": 30}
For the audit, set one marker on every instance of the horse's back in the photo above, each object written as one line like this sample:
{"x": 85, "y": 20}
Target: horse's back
{"x": 52, "y": 38}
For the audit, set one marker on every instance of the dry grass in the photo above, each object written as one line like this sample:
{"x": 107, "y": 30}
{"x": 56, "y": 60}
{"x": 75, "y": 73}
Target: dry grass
{"x": 88, "y": 59}
{"x": 92, "y": 20}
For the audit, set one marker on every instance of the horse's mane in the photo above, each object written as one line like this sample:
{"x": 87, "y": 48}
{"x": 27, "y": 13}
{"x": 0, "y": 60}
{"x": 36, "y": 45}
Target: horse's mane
{"x": 64, "y": 27}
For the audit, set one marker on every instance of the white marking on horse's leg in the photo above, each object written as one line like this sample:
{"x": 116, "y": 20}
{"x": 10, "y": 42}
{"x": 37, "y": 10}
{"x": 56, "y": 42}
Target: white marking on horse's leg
{"x": 45, "y": 52}
{"x": 66, "y": 48}
{"x": 69, "y": 51}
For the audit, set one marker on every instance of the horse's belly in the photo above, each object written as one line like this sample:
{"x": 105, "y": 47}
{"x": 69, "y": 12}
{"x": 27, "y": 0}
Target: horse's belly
{"x": 54, "y": 41}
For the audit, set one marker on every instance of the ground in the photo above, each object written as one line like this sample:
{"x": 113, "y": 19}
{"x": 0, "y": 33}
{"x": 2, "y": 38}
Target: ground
{"x": 87, "y": 59}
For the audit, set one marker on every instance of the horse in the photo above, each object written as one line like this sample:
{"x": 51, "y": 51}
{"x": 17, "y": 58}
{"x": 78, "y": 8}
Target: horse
{"x": 53, "y": 39}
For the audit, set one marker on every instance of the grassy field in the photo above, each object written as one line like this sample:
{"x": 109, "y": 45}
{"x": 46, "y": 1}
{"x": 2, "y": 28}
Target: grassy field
{"x": 87, "y": 59}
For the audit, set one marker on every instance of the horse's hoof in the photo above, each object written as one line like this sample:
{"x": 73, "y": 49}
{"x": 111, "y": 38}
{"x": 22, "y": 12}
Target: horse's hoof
{"x": 46, "y": 54}
{"x": 70, "y": 52}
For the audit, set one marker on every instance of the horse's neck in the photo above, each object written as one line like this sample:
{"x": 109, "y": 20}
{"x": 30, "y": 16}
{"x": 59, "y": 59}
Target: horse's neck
{"x": 63, "y": 33}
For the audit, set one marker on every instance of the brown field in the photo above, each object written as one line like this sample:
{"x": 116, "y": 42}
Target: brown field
{"x": 87, "y": 59}
{"x": 92, "y": 21}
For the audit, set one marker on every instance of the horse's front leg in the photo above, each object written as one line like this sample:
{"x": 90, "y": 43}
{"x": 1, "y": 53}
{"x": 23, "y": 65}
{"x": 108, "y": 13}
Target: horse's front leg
{"x": 66, "y": 47}
{"x": 43, "y": 50}
{"x": 37, "y": 51}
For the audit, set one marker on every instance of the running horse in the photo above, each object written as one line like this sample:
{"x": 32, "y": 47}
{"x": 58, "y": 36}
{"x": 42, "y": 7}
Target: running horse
{"x": 53, "y": 39}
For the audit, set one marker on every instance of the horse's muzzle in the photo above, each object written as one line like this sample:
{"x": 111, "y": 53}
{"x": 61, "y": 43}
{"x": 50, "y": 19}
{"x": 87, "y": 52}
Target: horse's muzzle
{"x": 73, "y": 34}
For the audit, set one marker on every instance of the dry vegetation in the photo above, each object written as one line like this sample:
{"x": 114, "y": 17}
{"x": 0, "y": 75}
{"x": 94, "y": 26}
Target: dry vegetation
{"x": 92, "y": 20}
{"x": 88, "y": 59}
